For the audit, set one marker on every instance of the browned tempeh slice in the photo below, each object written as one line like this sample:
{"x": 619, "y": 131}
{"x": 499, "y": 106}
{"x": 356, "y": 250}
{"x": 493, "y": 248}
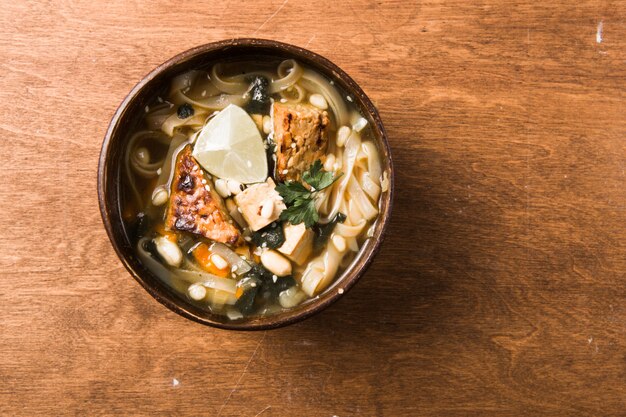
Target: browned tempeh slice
{"x": 194, "y": 205}
{"x": 301, "y": 136}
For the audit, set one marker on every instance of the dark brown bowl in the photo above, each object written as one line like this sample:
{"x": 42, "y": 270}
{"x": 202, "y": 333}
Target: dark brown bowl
{"x": 124, "y": 120}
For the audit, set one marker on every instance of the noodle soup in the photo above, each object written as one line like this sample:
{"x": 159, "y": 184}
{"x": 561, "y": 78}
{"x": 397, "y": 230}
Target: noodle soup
{"x": 251, "y": 186}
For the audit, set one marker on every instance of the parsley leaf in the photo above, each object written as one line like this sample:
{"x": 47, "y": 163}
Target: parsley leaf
{"x": 317, "y": 178}
{"x": 300, "y": 200}
{"x": 301, "y": 211}
{"x": 292, "y": 191}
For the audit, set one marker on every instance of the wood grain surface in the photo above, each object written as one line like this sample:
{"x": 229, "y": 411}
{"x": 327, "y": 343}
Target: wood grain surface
{"x": 501, "y": 287}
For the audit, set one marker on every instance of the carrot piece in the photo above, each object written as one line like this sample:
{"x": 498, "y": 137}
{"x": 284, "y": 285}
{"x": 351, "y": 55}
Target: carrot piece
{"x": 202, "y": 254}
{"x": 239, "y": 292}
{"x": 168, "y": 234}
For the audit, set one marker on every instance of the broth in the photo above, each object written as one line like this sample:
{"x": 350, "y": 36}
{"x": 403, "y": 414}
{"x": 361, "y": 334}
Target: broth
{"x": 251, "y": 185}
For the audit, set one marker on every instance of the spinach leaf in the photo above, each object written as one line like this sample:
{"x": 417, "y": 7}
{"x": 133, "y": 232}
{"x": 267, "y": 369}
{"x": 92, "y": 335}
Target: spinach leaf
{"x": 271, "y": 235}
{"x": 323, "y": 231}
{"x": 259, "y": 281}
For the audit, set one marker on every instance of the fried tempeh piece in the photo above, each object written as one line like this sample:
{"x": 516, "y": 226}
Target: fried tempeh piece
{"x": 301, "y": 136}
{"x": 194, "y": 205}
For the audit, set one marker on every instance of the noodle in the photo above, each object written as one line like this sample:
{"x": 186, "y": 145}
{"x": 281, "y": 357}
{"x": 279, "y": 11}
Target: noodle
{"x": 133, "y": 164}
{"x": 157, "y": 116}
{"x": 316, "y": 82}
{"x": 360, "y": 199}
{"x": 290, "y": 72}
{"x": 369, "y": 186}
{"x": 350, "y": 230}
{"x": 195, "y": 88}
{"x": 173, "y": 122}
{"x": 349, "y": 158}
{"x": 373, "y": 159}
{"x": 154, "y": 266}
{"x": 232, "y": 85}
{"x": 353, "y": 195}
{"x": 178, "y": 141}
{"x": 288, "y": 93}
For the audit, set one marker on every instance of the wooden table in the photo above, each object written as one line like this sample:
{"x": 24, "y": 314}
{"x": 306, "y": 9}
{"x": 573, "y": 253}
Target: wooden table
{"x": 501, "y": 287}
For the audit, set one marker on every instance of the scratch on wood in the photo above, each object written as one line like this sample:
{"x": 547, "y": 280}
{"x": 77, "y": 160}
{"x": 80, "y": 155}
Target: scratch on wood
{"x": 271, "y": 16}
{"x": 526, "y": 140}
{"x": 219, "y": 413}
{"x": 310, "y": 40}
{"x": 599, "y": 32}
{"x": 263, "y": 410}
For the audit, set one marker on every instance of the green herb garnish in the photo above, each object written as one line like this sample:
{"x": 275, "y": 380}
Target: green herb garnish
{"x": 300, "y": 201}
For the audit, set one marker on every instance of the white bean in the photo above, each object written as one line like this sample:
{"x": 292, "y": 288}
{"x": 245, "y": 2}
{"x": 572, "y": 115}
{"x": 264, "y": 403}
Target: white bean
{"x": 234, "y": 187}
{"x": 169, "y": 251}
{"x": 360, "y": 124}
{"x": 267, "y": 124}
{"x": 196, "y": 292}
{"x": 267, "y": 208}
{"x": 329, "y": 163}
{"x": 318, "y": 101}
{"x": 160, "y": 196}
{"x": 218, "y": 261}
{"x": 339, "y": 242}
{"x": 276, "y": 263}
{"x": 221, "y": 186}
{"x": 342, "y": 135}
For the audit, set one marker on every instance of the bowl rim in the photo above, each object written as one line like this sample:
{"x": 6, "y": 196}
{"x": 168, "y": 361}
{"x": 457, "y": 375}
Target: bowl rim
{"x": 350, "y": 276}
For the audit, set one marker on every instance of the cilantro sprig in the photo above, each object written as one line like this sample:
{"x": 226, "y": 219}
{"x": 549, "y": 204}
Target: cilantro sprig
{"x": 300, "y": 200}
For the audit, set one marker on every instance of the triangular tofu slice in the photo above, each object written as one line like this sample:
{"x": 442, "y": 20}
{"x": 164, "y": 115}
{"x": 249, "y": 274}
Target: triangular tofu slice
{"x": 194, "y": 205}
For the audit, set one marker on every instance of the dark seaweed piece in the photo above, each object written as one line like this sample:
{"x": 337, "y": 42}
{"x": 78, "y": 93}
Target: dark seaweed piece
{"x": 270, "y": 154}
{"x": 138, "y": 227}
{"x": 323, "y": 231}
{"x": 259, "y": 282}
{"x": 246, "y": 302}
{"x": 271, "y": 235}
{"x": 251, "y": 284}
{"x": 185, "y": 111}
{"x": 281, "y": 284}
{"x": 257, "y": 272}
{"x": 151, "y": 248}
{"x": 267, "y": 280}
{"x": 259, "y": 95}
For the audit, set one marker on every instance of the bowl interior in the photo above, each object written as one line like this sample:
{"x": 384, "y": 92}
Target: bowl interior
{"x": 125, "y": 121}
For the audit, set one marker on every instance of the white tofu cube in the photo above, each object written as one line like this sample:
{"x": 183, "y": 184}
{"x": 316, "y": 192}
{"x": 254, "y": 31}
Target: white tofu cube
{"x": 298, "y": 242}
{"x": 252, "y": 200}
